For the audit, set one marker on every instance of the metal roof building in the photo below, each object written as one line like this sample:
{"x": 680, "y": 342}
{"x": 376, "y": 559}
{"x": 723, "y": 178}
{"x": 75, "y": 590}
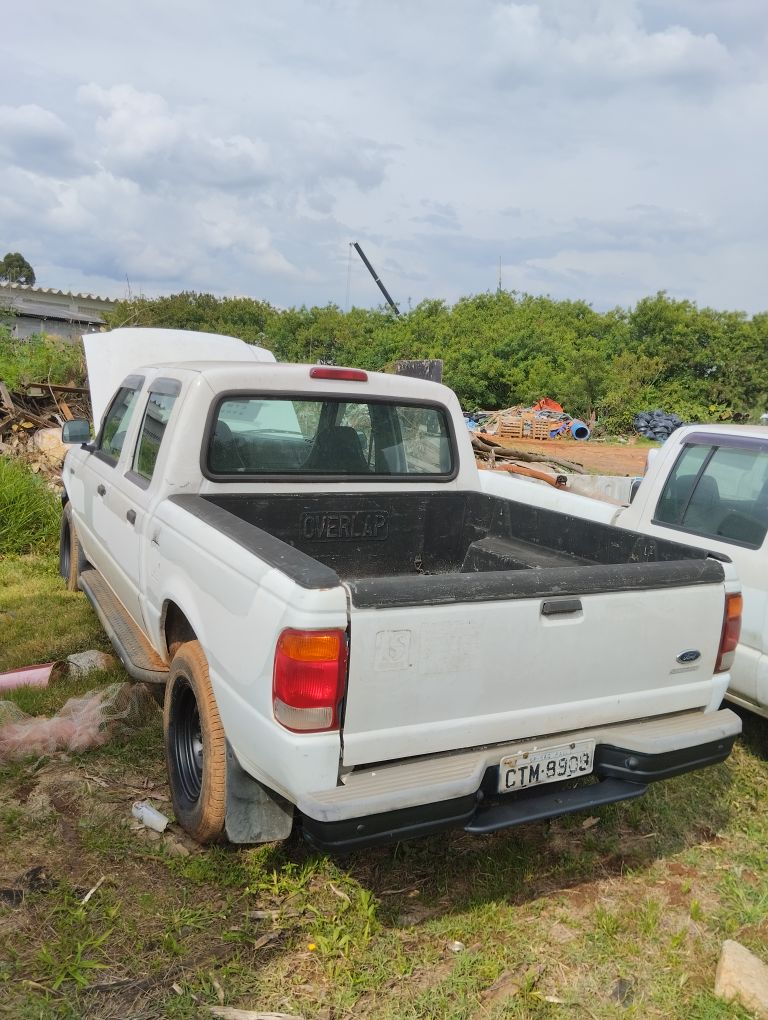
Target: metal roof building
{"x": 46, "y": 310}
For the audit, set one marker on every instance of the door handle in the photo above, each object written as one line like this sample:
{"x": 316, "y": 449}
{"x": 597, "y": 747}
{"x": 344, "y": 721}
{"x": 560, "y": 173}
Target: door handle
{"x": 130, "y": 516}
{"x": 561, "y": 607}
{"x": 101, "y": 489}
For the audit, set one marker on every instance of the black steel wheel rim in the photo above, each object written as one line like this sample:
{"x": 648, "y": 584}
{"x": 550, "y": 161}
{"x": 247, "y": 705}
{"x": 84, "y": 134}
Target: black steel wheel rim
{"x": 188, "y": 743}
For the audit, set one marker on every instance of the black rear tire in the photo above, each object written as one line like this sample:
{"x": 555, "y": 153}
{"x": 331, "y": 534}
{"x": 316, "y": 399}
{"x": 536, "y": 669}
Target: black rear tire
{"x": 71, "y": 558}
{"x": 195, "y": 746}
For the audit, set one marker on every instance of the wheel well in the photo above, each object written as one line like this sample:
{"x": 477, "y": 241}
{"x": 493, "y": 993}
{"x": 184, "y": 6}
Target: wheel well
{"x": 176, "y": 628}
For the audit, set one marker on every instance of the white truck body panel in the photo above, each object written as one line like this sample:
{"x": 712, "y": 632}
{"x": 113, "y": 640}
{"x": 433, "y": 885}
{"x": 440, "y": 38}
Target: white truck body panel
{"x": 446, "y": 677}
{"x": 509, "y": 486}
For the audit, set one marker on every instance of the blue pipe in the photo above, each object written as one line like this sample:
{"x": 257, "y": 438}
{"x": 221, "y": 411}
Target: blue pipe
{"x": 579, "y": 430}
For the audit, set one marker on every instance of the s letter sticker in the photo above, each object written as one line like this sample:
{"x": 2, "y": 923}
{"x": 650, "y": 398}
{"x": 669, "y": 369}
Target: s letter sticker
{"x": 393, "y": 650}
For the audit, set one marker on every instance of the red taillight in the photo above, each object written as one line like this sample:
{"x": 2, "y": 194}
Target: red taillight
{"x": 731, "y": 631}
{"x": 309, "y": 679}
{"x": 345, "y": 374}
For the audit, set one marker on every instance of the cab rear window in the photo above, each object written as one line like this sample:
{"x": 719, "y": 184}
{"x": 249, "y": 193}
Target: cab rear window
{"x": 263, "y": 435}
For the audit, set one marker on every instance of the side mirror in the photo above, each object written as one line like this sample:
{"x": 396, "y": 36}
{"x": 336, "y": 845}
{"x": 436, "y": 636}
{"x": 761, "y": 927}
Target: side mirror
{"x": 76, "y": 431}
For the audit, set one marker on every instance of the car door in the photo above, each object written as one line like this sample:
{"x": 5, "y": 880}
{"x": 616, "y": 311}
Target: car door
{"x": 136, "y": 489}
{"x": 96, "y": 521}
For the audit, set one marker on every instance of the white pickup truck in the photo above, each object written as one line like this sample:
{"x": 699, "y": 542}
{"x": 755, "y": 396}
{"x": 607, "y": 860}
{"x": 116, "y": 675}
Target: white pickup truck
{"x": 708, "y": 486}
{"x": 352, "y": 628}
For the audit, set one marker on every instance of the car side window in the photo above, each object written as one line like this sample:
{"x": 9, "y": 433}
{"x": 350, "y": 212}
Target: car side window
{"x": 116, "y": 422}
{"x": 156, "y": 415}
{"x": 718, "y": 492}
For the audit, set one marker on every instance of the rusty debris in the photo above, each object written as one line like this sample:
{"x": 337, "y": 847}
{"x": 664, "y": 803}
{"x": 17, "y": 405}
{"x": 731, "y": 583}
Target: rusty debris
{"x": 30, "y": 424}
{"x": 492, "y": 454}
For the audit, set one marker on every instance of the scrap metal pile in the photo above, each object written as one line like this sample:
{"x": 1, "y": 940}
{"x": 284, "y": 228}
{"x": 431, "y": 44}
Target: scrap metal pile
{"x": 543, "y": 420}
{"x": 494, "y": 431}
{"x": 30, "y": 424}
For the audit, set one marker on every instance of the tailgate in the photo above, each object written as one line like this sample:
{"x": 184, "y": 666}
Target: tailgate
{"x": 425, "y": 678}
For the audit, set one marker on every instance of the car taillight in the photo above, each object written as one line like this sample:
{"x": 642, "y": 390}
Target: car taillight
{"x": 309, "y": 679}
{"x": 731, "y": 631}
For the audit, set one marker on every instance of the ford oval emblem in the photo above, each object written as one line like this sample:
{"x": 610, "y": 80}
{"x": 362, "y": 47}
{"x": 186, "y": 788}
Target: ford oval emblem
{"x": 690, "y": 656}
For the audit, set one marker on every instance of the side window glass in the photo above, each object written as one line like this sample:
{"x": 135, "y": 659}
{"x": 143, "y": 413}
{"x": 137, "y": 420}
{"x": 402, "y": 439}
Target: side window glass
{"x": 117, "y": 421}
{"x": 679, "y": 488}
{"x": 727, "y": 501}
{"x": 159, "y": 407}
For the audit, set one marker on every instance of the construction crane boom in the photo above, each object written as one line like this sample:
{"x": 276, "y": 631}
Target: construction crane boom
{"x": 376, "y": 278}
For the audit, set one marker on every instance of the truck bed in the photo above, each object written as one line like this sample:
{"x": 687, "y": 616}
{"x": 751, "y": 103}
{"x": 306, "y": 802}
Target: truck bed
{"x": 412, "y": 547}
{"x": 474, "y": 619}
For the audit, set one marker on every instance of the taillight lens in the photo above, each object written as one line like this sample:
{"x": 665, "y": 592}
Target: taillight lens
{"x": 309, "y": 679}
{"x": 731, "y": 631}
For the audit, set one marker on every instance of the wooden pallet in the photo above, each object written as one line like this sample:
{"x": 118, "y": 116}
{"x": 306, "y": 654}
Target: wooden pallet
{"x": 540, "y": 429}
{"x": 511, "y": 429}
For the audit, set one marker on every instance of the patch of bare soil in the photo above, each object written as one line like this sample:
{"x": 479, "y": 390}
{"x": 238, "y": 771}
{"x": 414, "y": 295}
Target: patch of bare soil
{"x": 594, "y": 456}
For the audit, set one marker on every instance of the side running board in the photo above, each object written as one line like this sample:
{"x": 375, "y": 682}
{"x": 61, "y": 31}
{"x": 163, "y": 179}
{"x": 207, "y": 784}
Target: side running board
{"x": 140, "y": 659}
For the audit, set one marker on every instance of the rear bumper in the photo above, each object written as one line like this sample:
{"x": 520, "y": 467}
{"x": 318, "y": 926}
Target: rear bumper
{"x": 418, "y": 797}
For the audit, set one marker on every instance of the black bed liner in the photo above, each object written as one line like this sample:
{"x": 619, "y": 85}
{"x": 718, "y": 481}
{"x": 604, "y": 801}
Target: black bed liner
{"x": 408, "y": 548}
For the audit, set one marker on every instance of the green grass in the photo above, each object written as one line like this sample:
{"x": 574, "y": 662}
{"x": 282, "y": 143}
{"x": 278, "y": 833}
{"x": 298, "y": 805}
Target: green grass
{"x": 29, "y": 512}
{"x": 40, "y": 621}
{"x": 624, "y": 918}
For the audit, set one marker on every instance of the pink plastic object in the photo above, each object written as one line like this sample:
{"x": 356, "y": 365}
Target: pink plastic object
{"x": 27, "y": 676}
{"x": 87, "y": 721}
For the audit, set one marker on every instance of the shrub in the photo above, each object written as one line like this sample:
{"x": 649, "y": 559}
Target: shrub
{"x": 29, "y": 511}
{"x": 40, "y": 358}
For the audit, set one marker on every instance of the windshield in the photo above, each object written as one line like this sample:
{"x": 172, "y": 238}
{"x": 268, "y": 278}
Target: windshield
{"x": 262, "y": 435}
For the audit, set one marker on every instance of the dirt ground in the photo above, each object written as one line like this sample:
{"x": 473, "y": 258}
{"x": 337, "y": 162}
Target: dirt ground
{"x": 616, "y": 914}
{"x": 594, "y": 456}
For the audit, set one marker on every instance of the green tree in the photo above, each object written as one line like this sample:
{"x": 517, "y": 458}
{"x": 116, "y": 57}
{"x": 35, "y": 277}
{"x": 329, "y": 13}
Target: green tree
{"x": 503, "y": 348}
{"x": 14, "y": 268}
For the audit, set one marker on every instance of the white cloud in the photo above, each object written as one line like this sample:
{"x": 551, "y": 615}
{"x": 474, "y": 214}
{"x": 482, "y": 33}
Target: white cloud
{"x": 600, "y": 40}
{"x": 34, "y": 138}
{"x": 252, "y": 142}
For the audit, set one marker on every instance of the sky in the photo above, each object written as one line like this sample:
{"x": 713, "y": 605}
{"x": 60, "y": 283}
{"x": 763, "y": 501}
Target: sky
{"x": 589, "y": 149}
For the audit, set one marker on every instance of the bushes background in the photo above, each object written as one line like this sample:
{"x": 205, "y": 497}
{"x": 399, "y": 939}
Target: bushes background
{"x": 506, "y": 348}
{"x": 40, "y": 358}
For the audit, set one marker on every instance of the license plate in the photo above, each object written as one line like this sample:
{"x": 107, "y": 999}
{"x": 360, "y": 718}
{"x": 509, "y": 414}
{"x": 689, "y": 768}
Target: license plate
{"x": 546, "y": 765}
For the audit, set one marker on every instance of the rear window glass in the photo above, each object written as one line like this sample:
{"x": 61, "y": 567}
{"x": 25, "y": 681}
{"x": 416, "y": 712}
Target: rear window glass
{"x": 718, "y": 492}
{"x": 255, "y": 435}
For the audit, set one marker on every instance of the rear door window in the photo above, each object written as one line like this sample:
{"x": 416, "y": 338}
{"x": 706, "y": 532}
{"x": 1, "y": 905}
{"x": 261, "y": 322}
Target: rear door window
{"x": 718, "y": 492}
{"x": 156, "y": 416}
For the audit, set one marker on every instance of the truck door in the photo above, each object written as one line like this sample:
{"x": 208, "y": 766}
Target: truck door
{"x": 100, "y": 473}
{"x": 119, "y": 491}
{"x": 134, "y": 493}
